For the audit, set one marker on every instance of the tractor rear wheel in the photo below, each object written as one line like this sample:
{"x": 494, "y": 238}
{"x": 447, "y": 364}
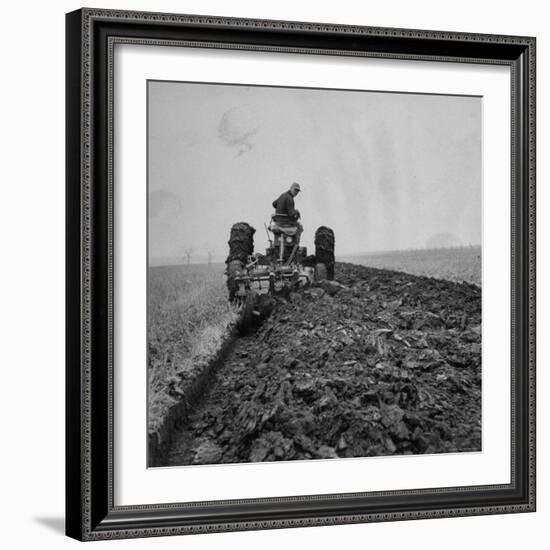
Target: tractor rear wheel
{"x": 324, "y": 249}
{"x": 320, "y": 272}
{"x": 241, "y": 246}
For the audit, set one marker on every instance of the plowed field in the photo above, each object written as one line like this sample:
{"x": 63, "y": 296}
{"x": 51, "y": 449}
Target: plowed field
{"x": 374, "y": 363}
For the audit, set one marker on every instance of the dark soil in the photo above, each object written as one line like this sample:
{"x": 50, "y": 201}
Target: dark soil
{"x": 374, "y": 363}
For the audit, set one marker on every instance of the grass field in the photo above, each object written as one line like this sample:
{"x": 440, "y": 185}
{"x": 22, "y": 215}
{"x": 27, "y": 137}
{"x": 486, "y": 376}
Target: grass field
{"x": 454, "y": 264}
{"x": 187, "y": 319}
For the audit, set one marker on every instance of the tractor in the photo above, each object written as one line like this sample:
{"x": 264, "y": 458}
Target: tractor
{"x": 254, "y": 278}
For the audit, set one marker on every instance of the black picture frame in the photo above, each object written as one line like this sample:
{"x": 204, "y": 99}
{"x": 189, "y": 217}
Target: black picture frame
{"x": 90, "y": 510}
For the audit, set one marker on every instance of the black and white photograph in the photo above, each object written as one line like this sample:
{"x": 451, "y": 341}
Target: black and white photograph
{"x": 314, "y": 277}
{"x": 300, "y": 276}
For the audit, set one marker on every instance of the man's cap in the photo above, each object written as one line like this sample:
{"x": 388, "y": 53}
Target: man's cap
{"x": 295, "y": 186}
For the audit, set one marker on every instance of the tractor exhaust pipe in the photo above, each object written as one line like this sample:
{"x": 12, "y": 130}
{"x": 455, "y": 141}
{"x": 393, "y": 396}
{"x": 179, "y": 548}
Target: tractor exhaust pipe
{"x": 268, "y": 237}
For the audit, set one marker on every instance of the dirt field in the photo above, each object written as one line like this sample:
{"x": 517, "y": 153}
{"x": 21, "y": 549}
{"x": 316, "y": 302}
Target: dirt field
{"x": 453, "y": 264}
{"x": 379, "y": 363}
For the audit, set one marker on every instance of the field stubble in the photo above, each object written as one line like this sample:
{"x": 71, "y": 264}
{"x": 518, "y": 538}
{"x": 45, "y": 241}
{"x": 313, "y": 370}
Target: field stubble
{"x": 188, "y": 320}
{"x": 458, "y": 264}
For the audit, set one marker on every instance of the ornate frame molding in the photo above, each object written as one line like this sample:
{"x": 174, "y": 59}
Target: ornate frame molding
{"x": 91, "y": 36}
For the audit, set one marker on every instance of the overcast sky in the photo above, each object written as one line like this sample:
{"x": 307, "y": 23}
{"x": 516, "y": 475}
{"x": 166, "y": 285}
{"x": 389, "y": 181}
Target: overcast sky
{"x": 386, "y": 171}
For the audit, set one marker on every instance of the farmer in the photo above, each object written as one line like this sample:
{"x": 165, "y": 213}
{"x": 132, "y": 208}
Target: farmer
{"x": 285, "y": 213}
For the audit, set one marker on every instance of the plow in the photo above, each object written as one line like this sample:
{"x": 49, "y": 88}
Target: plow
{"x": 255, "y": 279}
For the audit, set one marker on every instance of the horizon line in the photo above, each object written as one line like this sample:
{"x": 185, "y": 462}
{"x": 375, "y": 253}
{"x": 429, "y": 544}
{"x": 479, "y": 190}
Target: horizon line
{"x": 167, "y": 262}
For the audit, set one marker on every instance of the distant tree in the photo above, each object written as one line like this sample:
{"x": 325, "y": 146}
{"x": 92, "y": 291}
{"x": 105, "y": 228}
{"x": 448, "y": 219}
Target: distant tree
{"x": 443, "y": 240}
{"x": 188, "y": 250}
{"x": 210, "y": 258}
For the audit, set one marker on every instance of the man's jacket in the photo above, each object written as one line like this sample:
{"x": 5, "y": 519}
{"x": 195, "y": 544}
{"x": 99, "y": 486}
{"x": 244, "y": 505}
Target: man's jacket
{"x": 284, "y": 208}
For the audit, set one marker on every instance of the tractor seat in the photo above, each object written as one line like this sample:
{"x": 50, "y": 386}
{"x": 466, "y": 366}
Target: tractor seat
{"x": 278, "y": 229}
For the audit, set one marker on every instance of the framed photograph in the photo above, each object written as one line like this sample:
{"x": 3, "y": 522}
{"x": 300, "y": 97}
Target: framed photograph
{"x": 300, "y": 274}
